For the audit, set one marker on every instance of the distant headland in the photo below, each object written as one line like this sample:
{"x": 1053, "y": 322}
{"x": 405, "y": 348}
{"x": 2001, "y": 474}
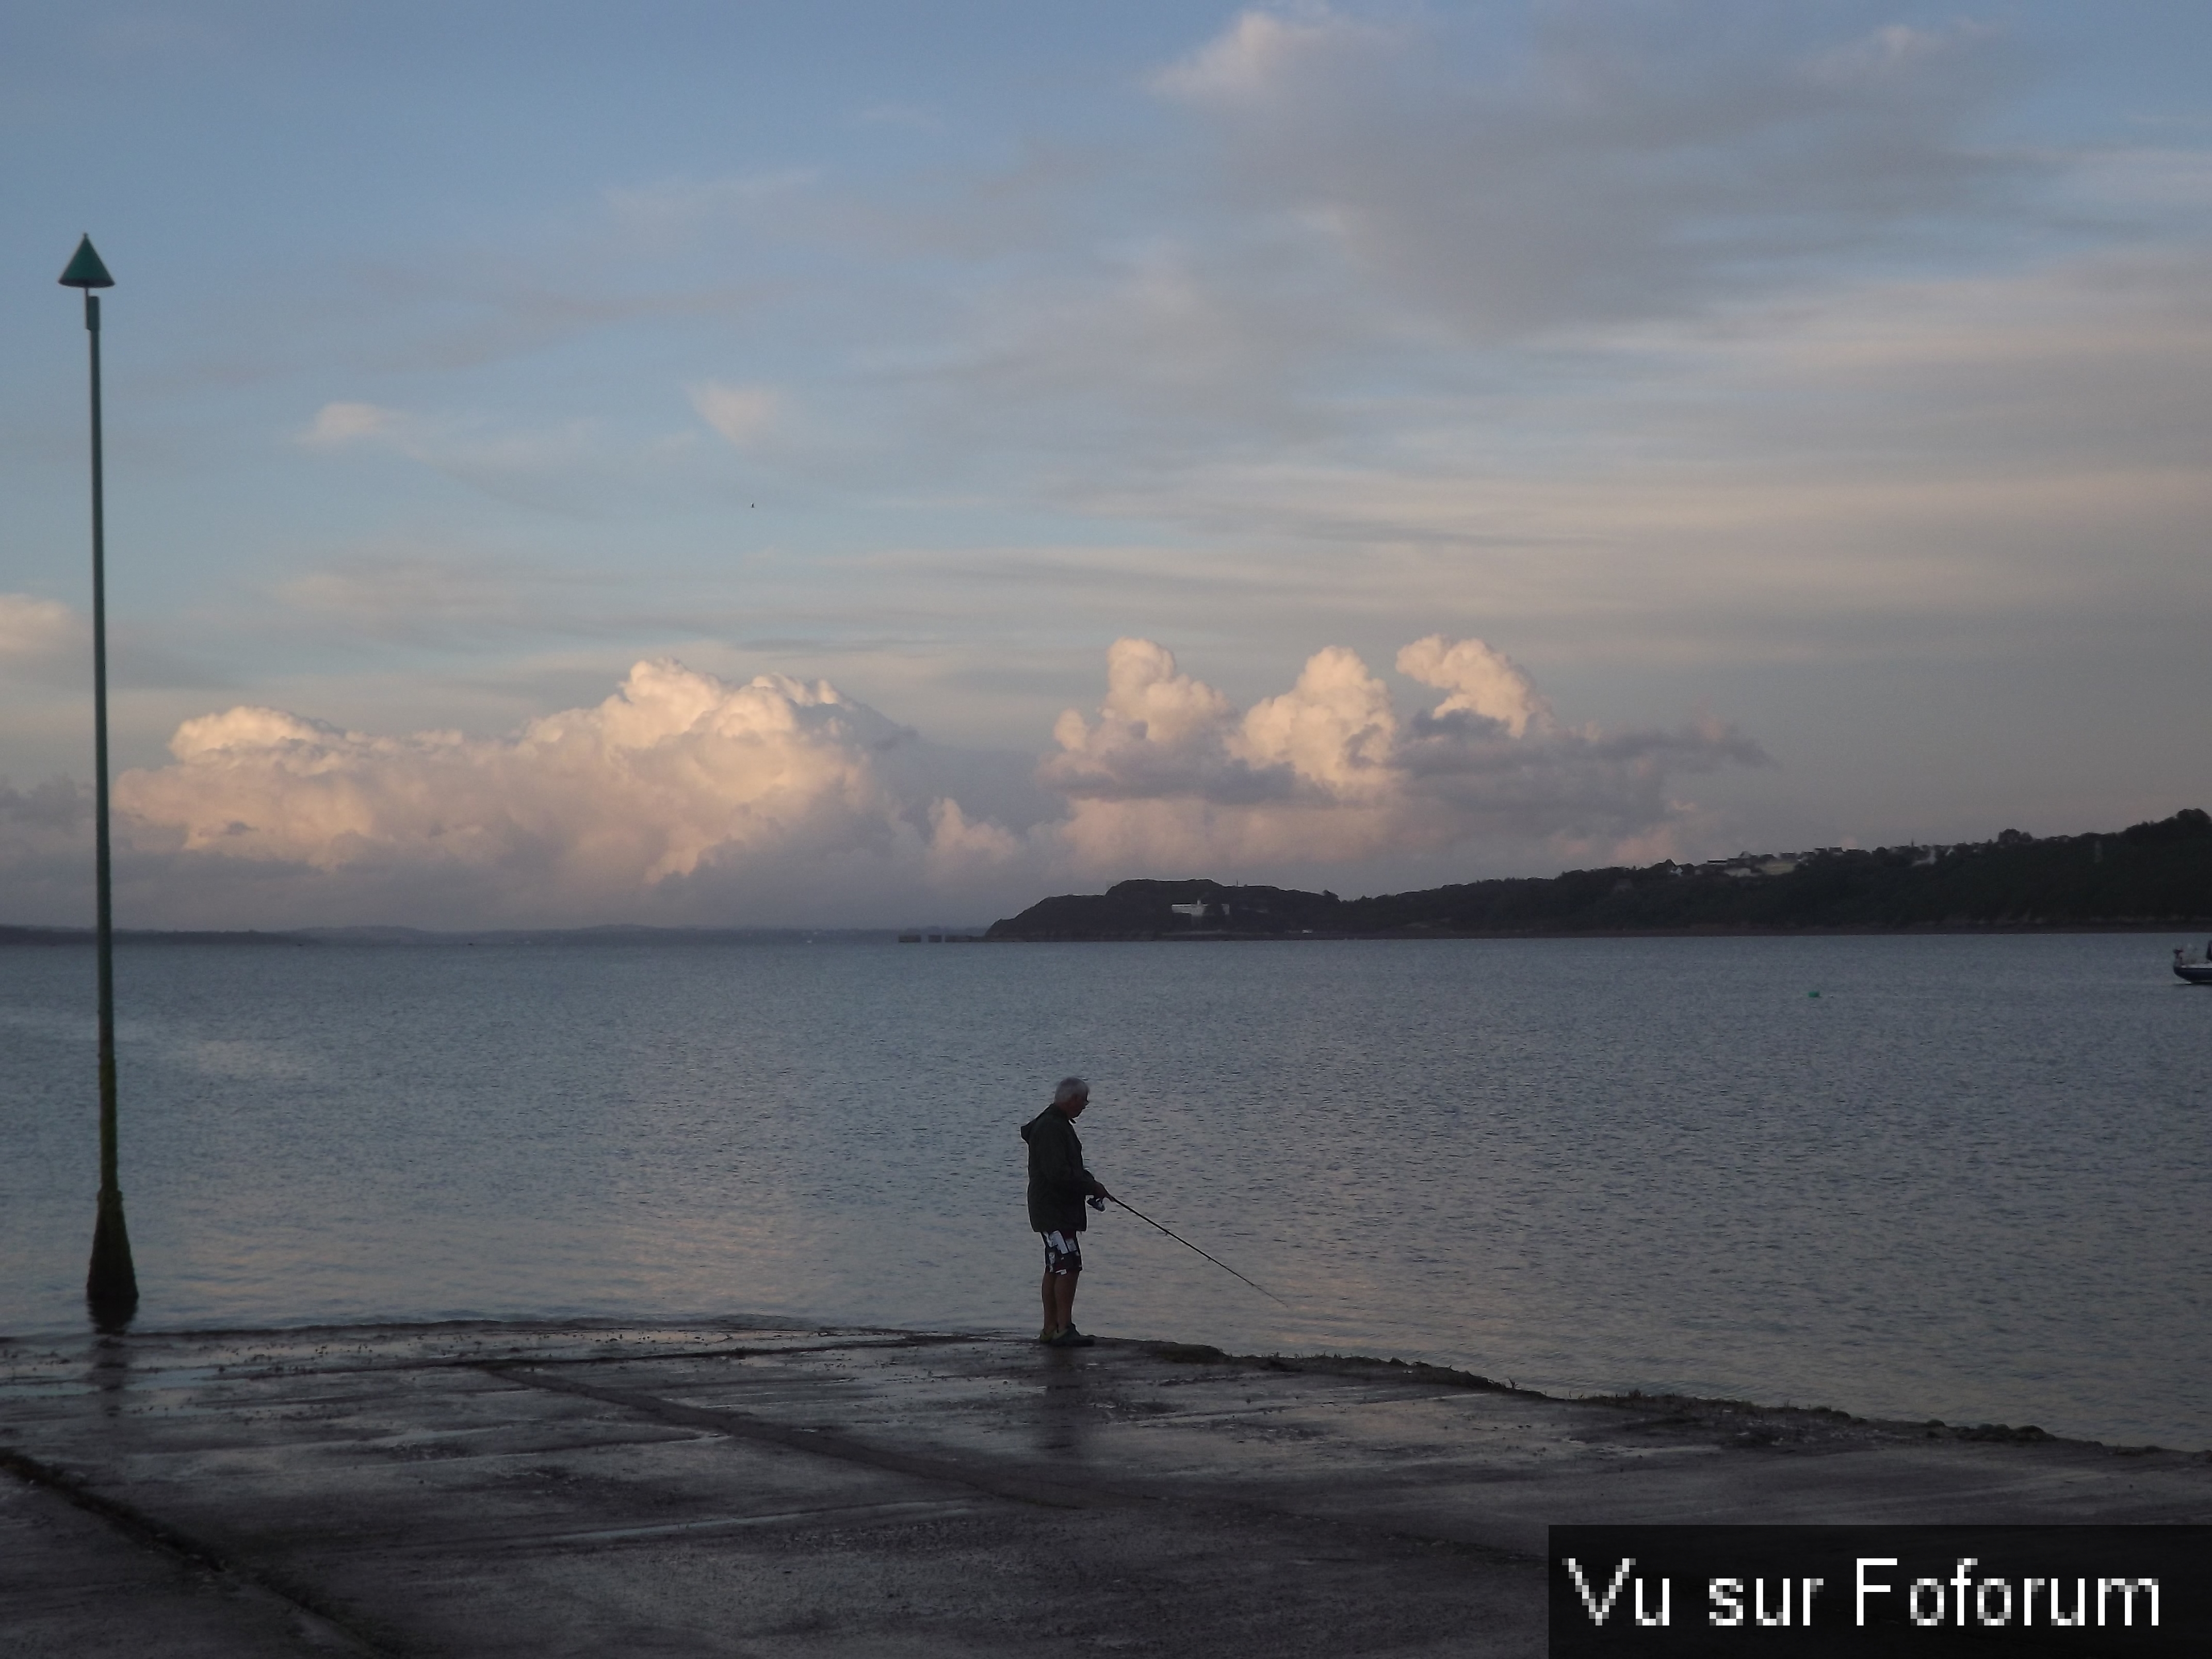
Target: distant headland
{"x": 2149, "y": 876}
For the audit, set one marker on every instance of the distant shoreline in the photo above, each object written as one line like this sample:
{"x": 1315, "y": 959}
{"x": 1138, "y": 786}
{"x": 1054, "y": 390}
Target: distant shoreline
{"x": 40, "y": 936}
{"x": 2185, "y": 925}
{"x": 31, "y": 936}
{"x": 2148, "y": 878}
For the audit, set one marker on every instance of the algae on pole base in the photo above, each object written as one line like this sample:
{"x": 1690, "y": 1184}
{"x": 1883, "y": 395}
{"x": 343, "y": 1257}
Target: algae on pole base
{"x": 111, "y": 1285}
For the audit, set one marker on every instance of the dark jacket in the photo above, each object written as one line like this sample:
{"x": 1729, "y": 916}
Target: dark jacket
{"x": 1058, "y": 1181}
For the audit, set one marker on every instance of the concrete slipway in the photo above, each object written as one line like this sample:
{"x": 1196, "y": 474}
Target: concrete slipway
{"x": 605, "y": 1490}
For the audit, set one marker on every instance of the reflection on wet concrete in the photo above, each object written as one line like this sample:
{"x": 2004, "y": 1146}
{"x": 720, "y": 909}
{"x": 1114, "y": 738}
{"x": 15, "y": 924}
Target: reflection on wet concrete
{"x": 1062, "y": 1409}
{"x": 109, "y": 1373}
{"x": 521, "y": 1490}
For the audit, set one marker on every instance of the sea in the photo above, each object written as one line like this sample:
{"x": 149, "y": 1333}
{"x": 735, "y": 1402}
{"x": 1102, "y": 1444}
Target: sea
{"x": 1963, "y": 1178}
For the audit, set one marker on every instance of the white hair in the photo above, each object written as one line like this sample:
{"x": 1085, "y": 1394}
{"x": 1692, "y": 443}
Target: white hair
{"x": 1068, "y": 1089}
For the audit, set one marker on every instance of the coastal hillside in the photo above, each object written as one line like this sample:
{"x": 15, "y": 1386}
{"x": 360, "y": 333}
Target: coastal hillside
{"x": 2149, "y": 875}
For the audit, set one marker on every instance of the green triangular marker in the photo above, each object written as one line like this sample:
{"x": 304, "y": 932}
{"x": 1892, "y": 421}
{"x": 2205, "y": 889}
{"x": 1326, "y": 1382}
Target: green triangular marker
{"x": 85, "y": 270}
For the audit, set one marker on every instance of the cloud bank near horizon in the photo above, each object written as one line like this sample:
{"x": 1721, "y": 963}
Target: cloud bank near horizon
{"x": 684, "y": 798}
{"x": 1845, "y": 362}
{"x": 1171, "y": 775}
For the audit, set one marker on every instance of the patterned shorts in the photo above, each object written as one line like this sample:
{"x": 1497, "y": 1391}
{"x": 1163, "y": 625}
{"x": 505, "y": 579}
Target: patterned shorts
{"x": 1063, "y": 1253}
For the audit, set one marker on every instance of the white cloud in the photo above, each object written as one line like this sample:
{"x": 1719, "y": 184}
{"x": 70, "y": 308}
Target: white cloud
{"x": 1147, "y": 701}
{"x": 686, "y": 798}
{"x": 960, "y": 847}
{"x": 1482, "y": 682}
{"x": 1335, "y": 729}
{"x": 1327, "y": 772}
{"x": 679, "y": 780}
{"x": 742, "y": 414}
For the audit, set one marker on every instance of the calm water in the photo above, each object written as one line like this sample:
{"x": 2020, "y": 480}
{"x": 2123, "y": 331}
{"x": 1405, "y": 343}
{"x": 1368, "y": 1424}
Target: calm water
{"x": 1970, "y": 1180}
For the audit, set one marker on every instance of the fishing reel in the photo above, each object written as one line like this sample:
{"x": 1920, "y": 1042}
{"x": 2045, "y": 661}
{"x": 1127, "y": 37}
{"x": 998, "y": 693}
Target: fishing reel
{"x": 1096, "y": 1202}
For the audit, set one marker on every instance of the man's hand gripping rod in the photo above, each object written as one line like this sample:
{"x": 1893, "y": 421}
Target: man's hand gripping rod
{"x": 1100, "y": 1204}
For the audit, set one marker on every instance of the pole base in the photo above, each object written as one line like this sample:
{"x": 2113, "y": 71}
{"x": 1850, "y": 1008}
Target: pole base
{"x": 111, "y": 1287}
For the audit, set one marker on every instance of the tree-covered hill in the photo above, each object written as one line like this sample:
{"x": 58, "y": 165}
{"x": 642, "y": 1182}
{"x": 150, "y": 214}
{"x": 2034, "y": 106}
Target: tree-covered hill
{"x": 2150, "y": 875}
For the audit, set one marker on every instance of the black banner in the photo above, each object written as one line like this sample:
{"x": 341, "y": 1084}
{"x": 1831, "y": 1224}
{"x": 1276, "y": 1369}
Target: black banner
{"x": 1916, "y": 1592}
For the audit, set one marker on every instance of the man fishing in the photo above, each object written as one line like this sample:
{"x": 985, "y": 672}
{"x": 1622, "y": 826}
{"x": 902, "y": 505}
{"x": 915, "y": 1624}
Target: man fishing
{"x": 1059, "y": 1184}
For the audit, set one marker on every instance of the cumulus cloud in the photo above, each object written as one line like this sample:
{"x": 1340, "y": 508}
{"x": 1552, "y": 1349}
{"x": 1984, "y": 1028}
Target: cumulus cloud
{"x": 679, "y": 791}
{"x": 684, "y": 798}
{"x": 1169, "y": 776}
{"x": 1482, "y": 681}
{"x": 960, "y": 847}
{"x": 1334, "y": 730}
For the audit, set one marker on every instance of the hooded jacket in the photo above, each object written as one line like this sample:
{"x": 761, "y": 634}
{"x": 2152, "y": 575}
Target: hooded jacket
{"x": 1058, "y": 1181}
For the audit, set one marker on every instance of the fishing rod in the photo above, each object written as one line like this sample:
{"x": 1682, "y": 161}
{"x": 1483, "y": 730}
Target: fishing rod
{"x": 1188, "y": 1245}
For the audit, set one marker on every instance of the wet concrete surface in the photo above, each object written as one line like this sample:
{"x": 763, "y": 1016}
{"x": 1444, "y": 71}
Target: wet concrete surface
{"x": 605, "y": 1490}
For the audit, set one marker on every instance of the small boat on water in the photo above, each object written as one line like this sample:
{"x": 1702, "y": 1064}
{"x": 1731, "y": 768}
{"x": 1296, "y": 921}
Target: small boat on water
{"x": 2187, "y": 965}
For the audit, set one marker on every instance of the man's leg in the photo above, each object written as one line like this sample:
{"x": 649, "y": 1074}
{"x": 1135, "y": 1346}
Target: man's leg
{"x": 1063, "y": 1261}
{"x": 1061, "y": 1254}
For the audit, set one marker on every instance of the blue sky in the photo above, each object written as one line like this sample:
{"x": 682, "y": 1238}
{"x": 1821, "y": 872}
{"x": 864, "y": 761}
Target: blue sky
{"x": 1800, "y": 409}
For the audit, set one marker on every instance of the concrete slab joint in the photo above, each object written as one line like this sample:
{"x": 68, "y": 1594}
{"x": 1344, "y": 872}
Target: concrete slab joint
{"x": 602, "y": 1489}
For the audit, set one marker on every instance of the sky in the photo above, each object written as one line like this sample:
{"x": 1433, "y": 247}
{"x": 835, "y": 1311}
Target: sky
{"x": 872, "y": 465}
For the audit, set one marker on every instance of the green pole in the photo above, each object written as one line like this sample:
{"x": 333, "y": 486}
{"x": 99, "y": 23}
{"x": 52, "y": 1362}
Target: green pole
{"x": 111, "y": 1285}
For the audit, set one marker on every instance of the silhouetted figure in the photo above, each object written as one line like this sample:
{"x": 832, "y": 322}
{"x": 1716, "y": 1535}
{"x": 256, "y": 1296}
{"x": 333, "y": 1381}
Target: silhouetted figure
{"x": 1059, "y": 1184}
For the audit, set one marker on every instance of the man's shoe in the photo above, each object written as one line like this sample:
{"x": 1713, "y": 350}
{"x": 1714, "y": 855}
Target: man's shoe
{"x": 1071, "y": 1338}
{"x": 1048, "y": 1334}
